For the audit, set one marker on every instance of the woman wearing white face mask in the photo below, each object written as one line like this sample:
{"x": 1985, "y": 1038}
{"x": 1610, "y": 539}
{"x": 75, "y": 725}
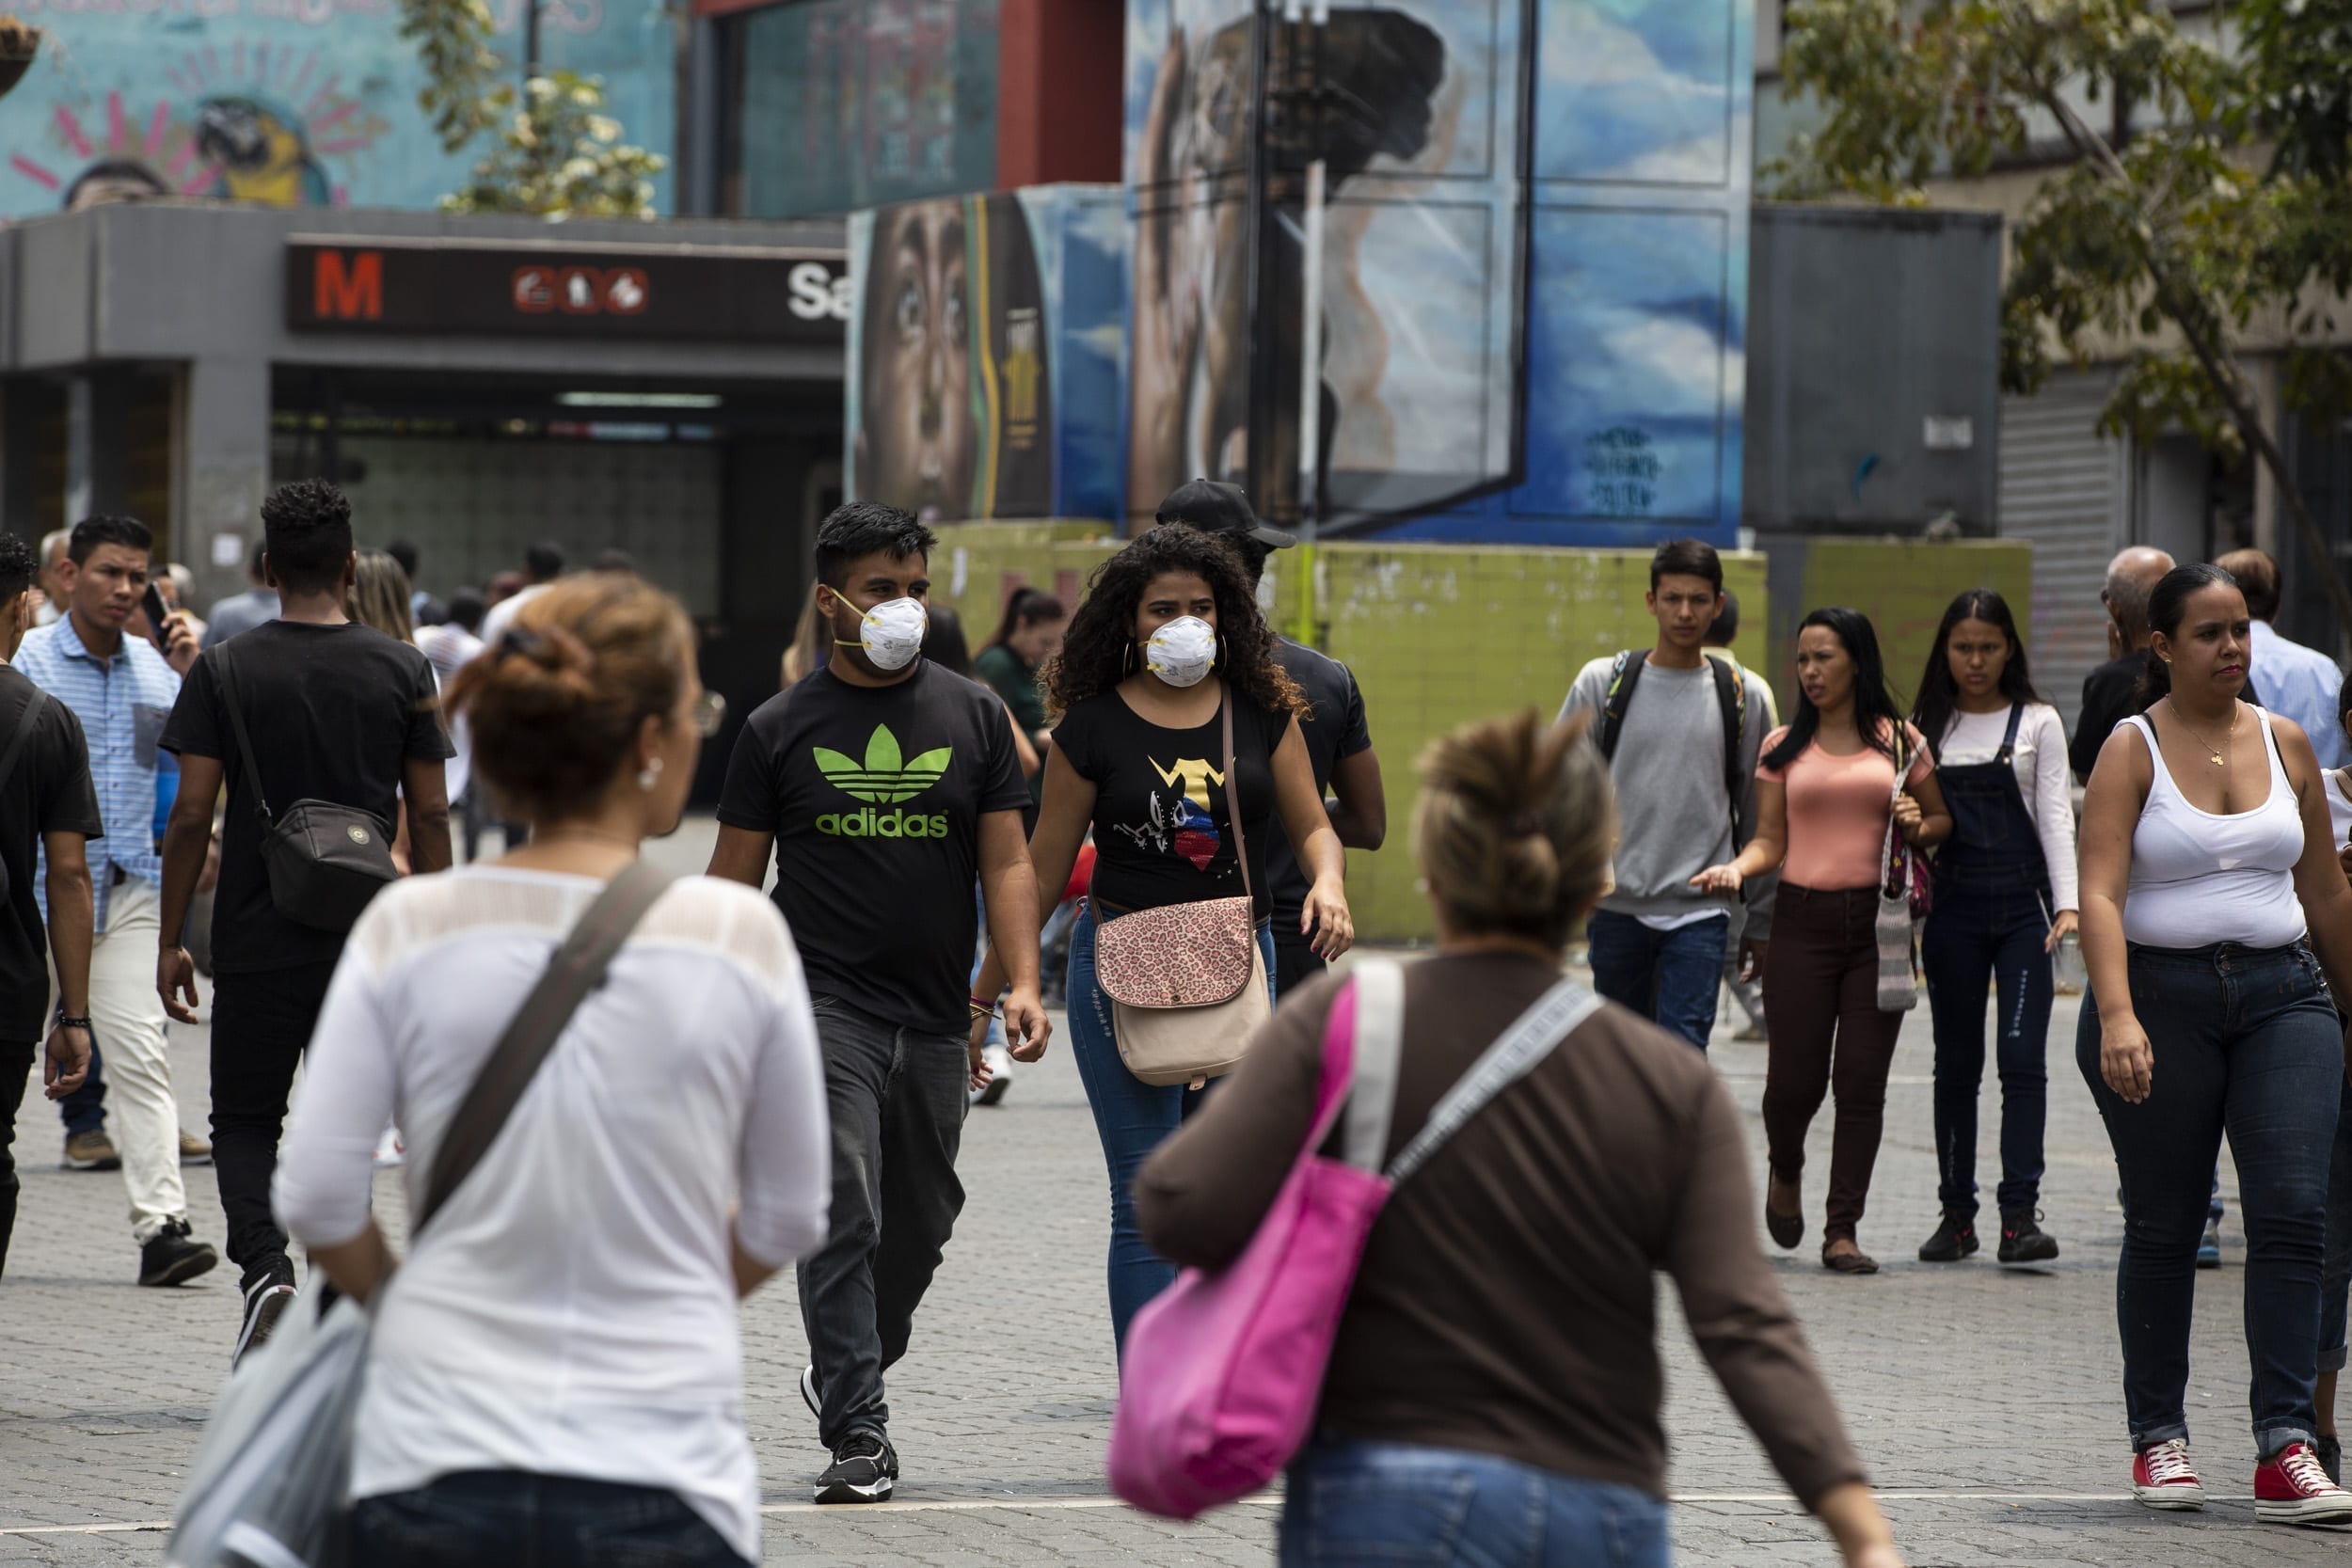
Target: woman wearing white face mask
{"x": 1169, "y": 632}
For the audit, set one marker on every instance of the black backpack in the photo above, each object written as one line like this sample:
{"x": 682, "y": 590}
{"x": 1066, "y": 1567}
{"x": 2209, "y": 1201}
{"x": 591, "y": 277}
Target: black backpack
{"x": 1731, "y": 696}
{"x": 325, "y": 861}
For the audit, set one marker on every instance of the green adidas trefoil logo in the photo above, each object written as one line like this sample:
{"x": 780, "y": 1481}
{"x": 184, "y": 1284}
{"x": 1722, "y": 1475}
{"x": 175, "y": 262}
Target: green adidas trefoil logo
{"x": 882, "y": 779}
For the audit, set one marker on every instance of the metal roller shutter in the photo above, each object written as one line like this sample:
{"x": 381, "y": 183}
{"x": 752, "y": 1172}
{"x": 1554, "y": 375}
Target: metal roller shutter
{"x": 2063, "y": 488}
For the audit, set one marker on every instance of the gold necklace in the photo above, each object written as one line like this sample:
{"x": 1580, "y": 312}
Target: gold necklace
{"x": 2216, "y": 757}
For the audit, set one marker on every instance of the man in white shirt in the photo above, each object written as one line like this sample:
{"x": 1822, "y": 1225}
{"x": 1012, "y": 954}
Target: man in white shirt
{"x": 2298, "y": 682}
{"x": 544, "y": 562}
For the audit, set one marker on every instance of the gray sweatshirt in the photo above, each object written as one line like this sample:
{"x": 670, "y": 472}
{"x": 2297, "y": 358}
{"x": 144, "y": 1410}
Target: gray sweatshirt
{"x": 1674, "y": 819}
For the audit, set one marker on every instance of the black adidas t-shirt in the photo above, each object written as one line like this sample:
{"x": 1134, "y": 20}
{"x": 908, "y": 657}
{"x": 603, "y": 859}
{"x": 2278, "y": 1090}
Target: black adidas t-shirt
{"x": 1163, "y": 828}
{"x": 874, "y": 795}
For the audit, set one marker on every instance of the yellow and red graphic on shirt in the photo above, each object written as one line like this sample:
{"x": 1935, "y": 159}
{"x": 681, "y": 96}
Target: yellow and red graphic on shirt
{"x": 1184, "y": 827}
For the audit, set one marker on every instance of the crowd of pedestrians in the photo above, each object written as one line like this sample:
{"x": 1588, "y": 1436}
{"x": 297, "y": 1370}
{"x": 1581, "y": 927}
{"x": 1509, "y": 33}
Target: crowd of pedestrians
{"x": 1158, "y": 781}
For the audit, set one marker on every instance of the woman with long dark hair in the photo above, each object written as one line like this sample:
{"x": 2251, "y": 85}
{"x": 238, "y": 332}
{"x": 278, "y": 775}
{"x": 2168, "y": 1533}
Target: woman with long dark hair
{"x": 1825, "y": 792}
{"x": 2209, "y": 877}
{"x": 1169, "y": 635}
{"x": 1028, "y": 636}
{"x": 2005, "y": 896}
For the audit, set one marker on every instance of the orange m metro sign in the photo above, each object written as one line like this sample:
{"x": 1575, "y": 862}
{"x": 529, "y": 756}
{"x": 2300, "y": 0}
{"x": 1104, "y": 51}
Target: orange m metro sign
{"x": 385, "y": 284}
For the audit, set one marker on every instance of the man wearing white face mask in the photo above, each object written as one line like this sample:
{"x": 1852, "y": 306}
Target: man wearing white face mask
{"x": 884, "y": 785}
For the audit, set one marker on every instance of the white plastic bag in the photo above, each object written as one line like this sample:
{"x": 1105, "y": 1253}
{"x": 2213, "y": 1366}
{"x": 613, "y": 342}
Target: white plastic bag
{"x": 266, "y": 1489}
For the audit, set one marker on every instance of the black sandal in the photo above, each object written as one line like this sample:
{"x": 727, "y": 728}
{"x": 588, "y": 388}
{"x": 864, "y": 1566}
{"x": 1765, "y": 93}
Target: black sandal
{"x": 1857, "y": 1262}
{"x": 1787, "y": 1229}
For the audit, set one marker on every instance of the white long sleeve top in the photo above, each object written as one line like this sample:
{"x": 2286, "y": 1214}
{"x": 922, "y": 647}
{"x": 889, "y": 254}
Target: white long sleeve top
{"x": 572, "y": 1310}
{"x": 2039, "y": 760}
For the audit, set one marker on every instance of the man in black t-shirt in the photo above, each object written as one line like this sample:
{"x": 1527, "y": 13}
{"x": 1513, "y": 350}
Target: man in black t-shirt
{"x": 336, "y": 712}
{"x": 1338, "y": 743}
{"x": 885, "y": 786}
{"x": 47, "y": 802}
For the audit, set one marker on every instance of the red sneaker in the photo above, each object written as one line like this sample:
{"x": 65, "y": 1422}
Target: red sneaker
{"x": 2290, "y": 1488}
{"x": 2162, "y": 1477}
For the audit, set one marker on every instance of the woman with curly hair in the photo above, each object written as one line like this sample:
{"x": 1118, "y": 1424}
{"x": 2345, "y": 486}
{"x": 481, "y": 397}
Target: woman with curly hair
{"x": 1168, "y": 634}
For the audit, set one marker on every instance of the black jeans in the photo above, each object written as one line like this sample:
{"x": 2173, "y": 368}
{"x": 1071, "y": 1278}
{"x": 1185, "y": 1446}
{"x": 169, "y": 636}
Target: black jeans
{"x": 1295, "y": 962}
{"x": 514, "y": 1519}
{"x": 2246, "y": 1039}
{"x": 262, "y": 1025}
{"x": 898, "y": 1098}
{"x": 1981, "y": 937}
{"x": 16, "y": 1070}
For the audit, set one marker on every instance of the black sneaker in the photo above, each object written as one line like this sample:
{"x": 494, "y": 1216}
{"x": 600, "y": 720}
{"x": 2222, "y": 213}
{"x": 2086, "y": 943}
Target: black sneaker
{"x": 865, "y": 1468}
{"x": 267, "y": 1294}
{"x": 2331, "y": 1451}
{"x": 1954, "y": 1238}
{"x": 175, "y": 1256}
{"x": 2023, "y": 1240}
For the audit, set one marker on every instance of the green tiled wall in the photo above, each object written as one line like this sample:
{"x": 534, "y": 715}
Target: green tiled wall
{"x": 1438, "y": 635}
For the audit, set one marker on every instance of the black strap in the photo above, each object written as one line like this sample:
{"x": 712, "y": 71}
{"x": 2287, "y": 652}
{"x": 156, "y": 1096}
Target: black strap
{"x": 26, "y": 722}
{"x": 577, "y": 968}
{"x": 1623, "y": 676}
{"x": 2009, "y": 740}
{"x": 227, "y": 677}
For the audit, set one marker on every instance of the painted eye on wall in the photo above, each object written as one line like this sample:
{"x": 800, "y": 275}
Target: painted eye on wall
{"x": 907, "y": 314}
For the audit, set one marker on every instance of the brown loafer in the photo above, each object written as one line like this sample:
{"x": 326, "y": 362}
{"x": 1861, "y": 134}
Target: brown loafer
{"x": 1857, "y": 1262}
{"x": 1787, "y": 1229}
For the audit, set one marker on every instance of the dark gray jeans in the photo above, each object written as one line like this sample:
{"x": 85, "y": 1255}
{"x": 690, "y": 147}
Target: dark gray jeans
{"x": 898, "y": 1098}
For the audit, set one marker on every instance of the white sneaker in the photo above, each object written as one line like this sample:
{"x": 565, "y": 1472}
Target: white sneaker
{"x": 391, "y": 1151}
{"x": 1000, "y": 1076}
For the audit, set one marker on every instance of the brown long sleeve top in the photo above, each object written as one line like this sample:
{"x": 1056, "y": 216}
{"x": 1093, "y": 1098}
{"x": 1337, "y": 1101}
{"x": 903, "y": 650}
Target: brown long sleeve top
{"x": 1505, "y": 1302}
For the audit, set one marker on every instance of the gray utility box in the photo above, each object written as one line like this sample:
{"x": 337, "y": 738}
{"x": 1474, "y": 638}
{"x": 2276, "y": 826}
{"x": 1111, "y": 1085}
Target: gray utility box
{"x": 1874, "y": 339}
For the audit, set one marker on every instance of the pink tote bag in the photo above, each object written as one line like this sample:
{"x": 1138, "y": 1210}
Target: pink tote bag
{"x": 1224, "y": 1372}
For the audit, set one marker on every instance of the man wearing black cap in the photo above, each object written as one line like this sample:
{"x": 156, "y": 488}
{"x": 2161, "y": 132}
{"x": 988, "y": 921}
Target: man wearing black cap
{"x": 1338, "y": 743}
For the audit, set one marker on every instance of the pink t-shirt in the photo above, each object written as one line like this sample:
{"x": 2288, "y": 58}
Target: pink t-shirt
{"x": 1838, "y": 809}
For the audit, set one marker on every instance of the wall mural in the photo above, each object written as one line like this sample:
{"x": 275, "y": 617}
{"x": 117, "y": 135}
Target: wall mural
{"x": 1634, "y": 265}
{"x": 281, "y": 103}
{"x": 985, "y": 355}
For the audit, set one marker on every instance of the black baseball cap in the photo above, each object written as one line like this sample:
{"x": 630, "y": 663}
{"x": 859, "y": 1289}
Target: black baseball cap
{"x": 1215, "y": 507}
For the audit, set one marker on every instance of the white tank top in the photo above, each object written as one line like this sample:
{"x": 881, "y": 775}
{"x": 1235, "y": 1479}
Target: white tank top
{"x": 2200, "y": 877}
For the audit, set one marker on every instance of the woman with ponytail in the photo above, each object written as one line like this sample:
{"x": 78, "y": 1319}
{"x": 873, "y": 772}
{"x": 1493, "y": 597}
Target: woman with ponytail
{"x": 1825, "y": 792}
{"x": 2212, "y": 906}
{"x": 1494, "y": 1390}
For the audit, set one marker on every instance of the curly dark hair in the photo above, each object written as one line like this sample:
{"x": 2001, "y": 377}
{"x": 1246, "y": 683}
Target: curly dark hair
{"x": 1097, "y": 654}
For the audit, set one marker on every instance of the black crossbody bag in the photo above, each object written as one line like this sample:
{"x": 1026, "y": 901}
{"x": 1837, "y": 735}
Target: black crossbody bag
{"x": 325, "y": 860}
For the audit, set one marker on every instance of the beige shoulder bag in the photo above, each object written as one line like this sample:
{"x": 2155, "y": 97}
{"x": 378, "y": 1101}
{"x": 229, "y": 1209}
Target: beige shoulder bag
{"x": 1187, "y": 983}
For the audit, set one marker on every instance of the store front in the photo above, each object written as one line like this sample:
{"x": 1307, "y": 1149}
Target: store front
{"x": 475, "y": 384}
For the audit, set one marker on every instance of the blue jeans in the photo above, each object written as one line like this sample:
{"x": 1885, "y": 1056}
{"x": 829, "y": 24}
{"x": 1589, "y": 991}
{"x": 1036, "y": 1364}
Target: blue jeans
{"x": 1977, "y": 937}
{"x": 1353, "y": 1503}
{"x": 1131, "y": 1117}
{"x": 1671, "y": 976}
{"x": 2244, "y": 1039}
{"x": 512, "y": 1519}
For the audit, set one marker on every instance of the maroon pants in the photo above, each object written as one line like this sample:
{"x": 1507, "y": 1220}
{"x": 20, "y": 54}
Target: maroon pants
{"x": 1820, "y": 1008}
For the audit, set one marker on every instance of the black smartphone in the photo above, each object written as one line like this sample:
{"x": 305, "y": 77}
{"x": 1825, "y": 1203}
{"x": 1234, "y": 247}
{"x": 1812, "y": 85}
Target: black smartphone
{"x": 153, "y": 603}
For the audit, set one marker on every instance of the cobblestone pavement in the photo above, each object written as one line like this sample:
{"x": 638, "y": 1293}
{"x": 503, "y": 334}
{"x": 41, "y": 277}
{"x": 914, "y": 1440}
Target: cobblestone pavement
{"x": 1986, "y": 1401}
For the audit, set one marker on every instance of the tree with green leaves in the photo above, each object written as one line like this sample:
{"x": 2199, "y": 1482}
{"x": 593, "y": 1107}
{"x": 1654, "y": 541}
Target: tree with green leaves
{"x": 2211, "y": 197}
{"x": 554, "y": 151}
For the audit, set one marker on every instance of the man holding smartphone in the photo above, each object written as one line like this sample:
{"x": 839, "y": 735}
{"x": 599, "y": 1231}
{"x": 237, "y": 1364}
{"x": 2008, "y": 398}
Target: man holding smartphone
{"x": 123, "y": 689}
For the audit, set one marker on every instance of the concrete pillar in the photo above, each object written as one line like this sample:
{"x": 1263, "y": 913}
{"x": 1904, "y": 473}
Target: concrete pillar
{"x": 98, "y": 445}
{"x": 20, "y": 459}
{"x": 220, "y": 469}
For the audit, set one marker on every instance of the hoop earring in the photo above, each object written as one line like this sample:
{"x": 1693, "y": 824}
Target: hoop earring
{"x": 1127, "y": 659}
